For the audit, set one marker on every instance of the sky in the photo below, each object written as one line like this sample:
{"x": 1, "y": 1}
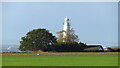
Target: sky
{"x": 93, "y": 22}
{"x": 0, "y": 26}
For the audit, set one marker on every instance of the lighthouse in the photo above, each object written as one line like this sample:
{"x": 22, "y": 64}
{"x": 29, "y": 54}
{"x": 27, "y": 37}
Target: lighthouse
{"x": 66, "y": 27}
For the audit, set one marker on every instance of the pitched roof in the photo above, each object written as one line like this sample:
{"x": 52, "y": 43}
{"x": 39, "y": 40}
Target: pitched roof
{"x": 93, "y": 48}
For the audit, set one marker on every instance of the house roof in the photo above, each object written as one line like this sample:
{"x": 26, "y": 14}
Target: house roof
{"x": 93, "y": 48}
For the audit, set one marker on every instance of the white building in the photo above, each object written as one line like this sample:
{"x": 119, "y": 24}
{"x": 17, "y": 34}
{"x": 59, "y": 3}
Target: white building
{"x": 66, "y": 27}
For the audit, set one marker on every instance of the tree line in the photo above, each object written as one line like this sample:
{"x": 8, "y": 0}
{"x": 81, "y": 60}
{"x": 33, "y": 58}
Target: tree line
{"x": 42, "y": 39}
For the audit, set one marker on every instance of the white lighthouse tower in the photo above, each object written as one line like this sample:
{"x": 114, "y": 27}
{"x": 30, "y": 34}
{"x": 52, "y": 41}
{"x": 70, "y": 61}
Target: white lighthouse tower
{"x": 66, "y": 27}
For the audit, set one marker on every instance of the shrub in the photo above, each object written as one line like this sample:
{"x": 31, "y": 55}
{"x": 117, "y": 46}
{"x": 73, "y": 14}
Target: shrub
{"x": 68, "y": 47}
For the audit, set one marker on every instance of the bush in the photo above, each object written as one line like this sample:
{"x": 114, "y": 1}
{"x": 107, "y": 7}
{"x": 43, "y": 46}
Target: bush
{"x": 68, "y": 47}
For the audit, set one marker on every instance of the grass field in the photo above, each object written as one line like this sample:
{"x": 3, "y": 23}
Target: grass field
{"x": 89, "y": 60}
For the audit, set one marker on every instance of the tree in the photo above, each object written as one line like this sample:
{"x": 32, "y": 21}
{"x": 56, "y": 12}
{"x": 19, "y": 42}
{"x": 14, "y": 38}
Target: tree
{"x": 70, "y": 37}
{"x": 37, "y": 39}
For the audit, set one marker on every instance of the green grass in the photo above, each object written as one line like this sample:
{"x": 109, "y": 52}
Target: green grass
{"x": 60, "y": 61}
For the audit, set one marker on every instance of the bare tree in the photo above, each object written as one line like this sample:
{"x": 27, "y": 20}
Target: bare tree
{"x": 70, "y": 36}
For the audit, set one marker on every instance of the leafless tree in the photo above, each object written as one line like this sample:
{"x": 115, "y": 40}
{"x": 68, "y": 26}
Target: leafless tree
{"x": 70, "y": 37}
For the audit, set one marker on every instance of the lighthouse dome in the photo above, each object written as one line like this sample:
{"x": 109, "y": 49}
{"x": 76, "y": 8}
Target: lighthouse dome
{"x": 66, "y": 19}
